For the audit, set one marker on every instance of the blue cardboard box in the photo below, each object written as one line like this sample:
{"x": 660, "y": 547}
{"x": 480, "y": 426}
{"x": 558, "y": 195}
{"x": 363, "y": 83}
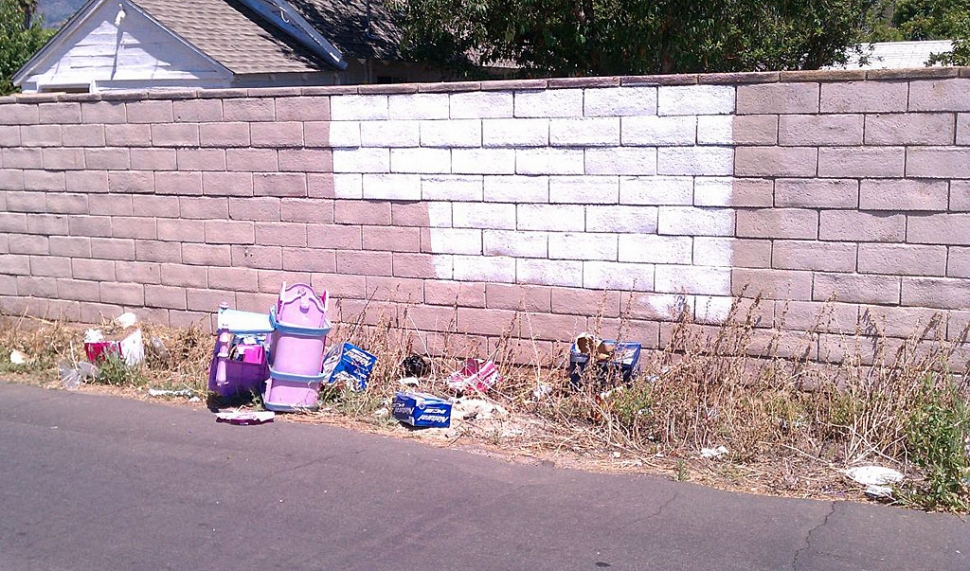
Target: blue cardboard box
{"x": 348, "y": 364}
{"x": 621, "y": 365}
{"x": 422, "y": 410}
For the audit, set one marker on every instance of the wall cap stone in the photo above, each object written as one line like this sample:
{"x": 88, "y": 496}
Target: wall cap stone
{"x": 505, "y": 85}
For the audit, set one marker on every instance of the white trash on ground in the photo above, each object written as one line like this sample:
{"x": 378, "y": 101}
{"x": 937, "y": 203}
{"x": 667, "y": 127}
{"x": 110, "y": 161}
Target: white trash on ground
{"x": 874, "y": 475}
{"x": 246, "y": 417}
{"x": 714, "y": 452}
{"x": 17, "y": 358}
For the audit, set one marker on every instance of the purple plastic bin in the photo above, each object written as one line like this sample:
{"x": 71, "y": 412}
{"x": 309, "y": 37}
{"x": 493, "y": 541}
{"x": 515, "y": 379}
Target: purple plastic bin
{"x": 229, "y": 378}
{"x": 300, "y": 328}
{"x": 289, "y": 393}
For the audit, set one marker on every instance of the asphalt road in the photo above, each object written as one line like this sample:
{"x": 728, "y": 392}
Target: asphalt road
{"x": 100, "y": 483}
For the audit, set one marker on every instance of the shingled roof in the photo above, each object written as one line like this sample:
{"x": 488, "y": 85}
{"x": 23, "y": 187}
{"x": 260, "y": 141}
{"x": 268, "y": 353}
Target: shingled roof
{"x": 242, "y": 41}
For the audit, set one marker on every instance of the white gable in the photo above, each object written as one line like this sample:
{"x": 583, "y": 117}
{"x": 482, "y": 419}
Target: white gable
{"x": 107, "y": 51}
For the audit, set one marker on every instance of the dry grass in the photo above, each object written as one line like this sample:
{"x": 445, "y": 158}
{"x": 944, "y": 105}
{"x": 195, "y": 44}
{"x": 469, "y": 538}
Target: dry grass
{"x": 791, "y": 424}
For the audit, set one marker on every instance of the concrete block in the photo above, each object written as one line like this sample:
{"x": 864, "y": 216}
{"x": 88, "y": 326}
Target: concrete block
{"x": 556, "y": 218}
{"x": 902, "y": 259}
{"x": 583, "y": 246}
{"x": 941, "y": 293}
{"x": 584, "y": 190}
{"x": 693, "y": 280}
{"x": 690, "y": 221}
{"x": 755, "y": 129}
{"x": 392, "y": 187}
{"x": 910, "y": 129}
{"x": 772, "y": 284}
{"x": 618, "y": 276}
{"x": 514, "y": 188}
{"x": 361, "y": 160}
{"x": 131, "y": 135}
{"x": 185, "y": 111}
{"x": 247, "y": 109}
{"x": 653, "y": 249}
{"x": 549, "y": 272}
{"x": 778, "y": 98}
{"x": 492, "y": 216}
{"x": 938, "y": 162}
{"x": 695, "y": 100}
{"x": 358, "y": 108}
{"x": 903, "y": 194}
{"x": 940, "y": 95}
{"x": 818, "y": 130}
{"x": 937, "y": 229}
{"x": 864, "y": 97}
{"x": 856, "y": 226}
{"x": 776, "y": 161}
{"x": 516, "y": 244}
{"x": 421, "y": 160}
{"x": 587, "y": 132}
{"x": 620, "y": 102}
{"x": 452, "y": 133}
{"x": 456, "y": 188}
{"x": 481, "y": 104}
{"x": 622, "y": 219}
{"x": 77, "y": 136}
{"x": 105, "y": 112}
{"x": 515, "y": 132}
{"x": 394, "y": 133}
{"x": 549, "y": 103}
{"x": 463, "y": 241}
{"x": 419, "y": 106}
{"x": 659, "y": 131}
{"x": 790, "y": 223}
{"x": 222, "y": 183}
{"x": 711, "y": 161}
{"x": 490, "y": 269}
{"x": 816, "y": 193}
{"x": 483, "y": 161}
{"x": 656, "y": 190}
{"x": 621, "y": 161}
{"x": 856, "y": 288}
{"x": 716, "y": 130}
{"x": 812, "y": 255}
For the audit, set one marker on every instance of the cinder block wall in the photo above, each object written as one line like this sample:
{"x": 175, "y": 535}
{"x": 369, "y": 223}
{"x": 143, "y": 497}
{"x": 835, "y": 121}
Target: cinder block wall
{"x": 608, "y": 204}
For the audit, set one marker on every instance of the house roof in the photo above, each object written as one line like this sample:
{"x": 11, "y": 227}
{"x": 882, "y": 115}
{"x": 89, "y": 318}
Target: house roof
{"x": 898, "y": 55}
{"x": 240, "y": 40}
{"x": 244, "y": 42}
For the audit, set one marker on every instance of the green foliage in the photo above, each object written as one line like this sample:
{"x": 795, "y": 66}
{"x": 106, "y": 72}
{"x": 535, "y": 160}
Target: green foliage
{"x": 18, "y": 41}
{"x": 917, "y": 20}
{"x": 936, "y": 439}
{"x": 112, "y": 370}
{"x": 615, "y": 37}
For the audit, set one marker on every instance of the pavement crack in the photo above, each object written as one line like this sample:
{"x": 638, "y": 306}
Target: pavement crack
{"x": 656, "y": 513}
{"x": 808, "y": 536}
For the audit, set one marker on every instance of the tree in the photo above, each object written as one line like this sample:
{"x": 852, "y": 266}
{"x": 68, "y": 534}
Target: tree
{"x": 917, "y": 20}
{"x": 616, "y": 37}
{"x": 21, "y": 35}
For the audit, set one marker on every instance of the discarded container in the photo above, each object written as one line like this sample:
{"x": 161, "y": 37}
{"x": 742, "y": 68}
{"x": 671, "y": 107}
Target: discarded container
{"x": 300, "y": 328}
{"x": 416, "y": 366}
{"x": 613, "y": 361}
{"x": 874, "y": 475}
{"x": 245, "y": 417}
{"x": 239, "y": 365}
{"x": 288, "y": 392}
{"x": 348, "y": 364}
{"x": 475, "y": 375}
{"x": 130, "y": 348}
{"x": 422, "y": 410}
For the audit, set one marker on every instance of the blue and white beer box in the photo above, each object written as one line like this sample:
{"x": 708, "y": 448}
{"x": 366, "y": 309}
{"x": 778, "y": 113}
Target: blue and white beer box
{"x": 348, "y": 364}
{"x": 422, "y": 410}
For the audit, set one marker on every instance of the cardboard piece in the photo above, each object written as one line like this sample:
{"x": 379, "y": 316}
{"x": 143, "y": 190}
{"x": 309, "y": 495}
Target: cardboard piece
{"x": 422, "y": 410}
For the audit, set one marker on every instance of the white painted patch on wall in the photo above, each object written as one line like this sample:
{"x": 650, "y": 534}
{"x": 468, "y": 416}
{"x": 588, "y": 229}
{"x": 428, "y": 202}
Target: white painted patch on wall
{"x": 649, "y": 211}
